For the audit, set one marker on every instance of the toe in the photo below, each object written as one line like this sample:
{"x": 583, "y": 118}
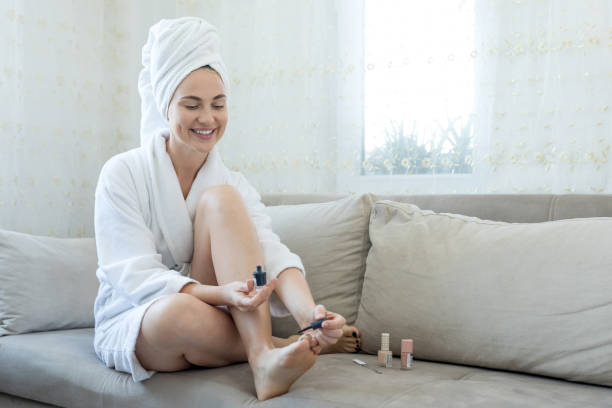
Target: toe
{"x": 350, "y": 331}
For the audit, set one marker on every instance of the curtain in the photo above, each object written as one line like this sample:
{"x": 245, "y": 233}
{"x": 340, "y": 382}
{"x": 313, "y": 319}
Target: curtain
{"x": 539, "y": 120}
{"x": 69, "y": 98}
{"x": 527, "y": 83}
{"x": 544, "y": 82}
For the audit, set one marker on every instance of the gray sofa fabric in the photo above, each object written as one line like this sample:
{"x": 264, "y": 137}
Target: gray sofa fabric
{"x": 12, "y": 401}
{"x": 67, "y": 373}
{"x": 61, "y": 368}
{"x": 496, "y": 207}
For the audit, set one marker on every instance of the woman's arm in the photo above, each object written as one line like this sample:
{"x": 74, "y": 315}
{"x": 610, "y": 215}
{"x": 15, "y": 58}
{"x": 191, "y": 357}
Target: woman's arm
{"x": 212, "y": 295}
{"x": 237, "y": 294}
{"x": 294, "y": 292}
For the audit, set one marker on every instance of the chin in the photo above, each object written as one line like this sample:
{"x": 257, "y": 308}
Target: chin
{"x": 203, "y": 149}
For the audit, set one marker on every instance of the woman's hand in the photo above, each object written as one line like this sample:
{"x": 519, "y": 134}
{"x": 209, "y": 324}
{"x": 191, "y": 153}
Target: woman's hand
{"x": 330, "y": 331}
{"x": 242, "y": 295}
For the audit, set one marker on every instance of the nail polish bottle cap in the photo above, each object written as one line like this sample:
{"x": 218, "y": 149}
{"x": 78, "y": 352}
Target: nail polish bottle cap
{"x": 407, "y": 346}
{"x": 260, "y": 276}
{"x": 317, "y": 324}
{"x": 384, "y": 341}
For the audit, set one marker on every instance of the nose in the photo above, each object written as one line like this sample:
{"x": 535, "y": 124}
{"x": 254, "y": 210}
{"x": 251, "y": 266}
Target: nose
{"x": 206, "y": 116}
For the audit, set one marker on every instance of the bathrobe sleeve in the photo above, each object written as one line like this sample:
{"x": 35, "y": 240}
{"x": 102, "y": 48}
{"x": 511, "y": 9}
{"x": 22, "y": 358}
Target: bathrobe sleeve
{"x": 127, "y": 256}
{"x": 277, "y": 257}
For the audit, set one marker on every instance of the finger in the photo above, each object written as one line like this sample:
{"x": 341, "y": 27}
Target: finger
{"x": 312, "y": 343}
{"x": 325, "y": 340}
{"x": 243, "y": 287}
{"x": 272, "y": 284}
{"x": 335, "y": 321}
{"x": 262, "y": 294}
{"x": 321, "y": 340}
{"x": 319, "y": 312}
{"x": 244, "y": 303}
{"x": 335, "y": 333}
{"x": 260, "y": 297}
{"x": 250, "y": 284}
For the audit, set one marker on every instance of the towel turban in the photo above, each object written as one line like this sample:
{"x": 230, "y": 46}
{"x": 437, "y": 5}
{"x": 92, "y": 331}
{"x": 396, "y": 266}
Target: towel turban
{"x": 174, "y": 48}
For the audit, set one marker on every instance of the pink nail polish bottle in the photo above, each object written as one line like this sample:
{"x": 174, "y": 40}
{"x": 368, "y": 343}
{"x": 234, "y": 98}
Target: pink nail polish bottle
{"x": 407, "y": 349}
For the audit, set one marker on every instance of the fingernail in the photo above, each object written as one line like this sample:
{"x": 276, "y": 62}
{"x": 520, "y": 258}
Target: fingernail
{"x": 354, "y": 334}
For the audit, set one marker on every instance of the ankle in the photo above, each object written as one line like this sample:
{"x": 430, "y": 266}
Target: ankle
{"x": 256, "y": 352}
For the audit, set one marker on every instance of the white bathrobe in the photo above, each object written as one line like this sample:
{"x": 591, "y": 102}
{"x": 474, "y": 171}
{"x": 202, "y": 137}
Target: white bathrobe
{"x": 144, "y": 238}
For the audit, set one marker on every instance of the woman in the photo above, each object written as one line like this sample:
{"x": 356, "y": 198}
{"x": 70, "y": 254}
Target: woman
{"x": 178, "y": 236}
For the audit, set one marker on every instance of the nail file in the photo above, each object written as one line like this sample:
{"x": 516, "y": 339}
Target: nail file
{"x": 314, "y": 325}
{"x": 364, "y": 364}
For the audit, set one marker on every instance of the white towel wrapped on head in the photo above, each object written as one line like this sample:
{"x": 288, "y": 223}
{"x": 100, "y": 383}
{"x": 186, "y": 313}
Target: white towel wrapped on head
{"x": 174, "y": 48}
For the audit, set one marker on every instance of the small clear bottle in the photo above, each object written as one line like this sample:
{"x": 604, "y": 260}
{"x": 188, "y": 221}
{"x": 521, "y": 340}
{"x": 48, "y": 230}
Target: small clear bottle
{"x": 385, "y": 356}
{"x": 407, "y": 350}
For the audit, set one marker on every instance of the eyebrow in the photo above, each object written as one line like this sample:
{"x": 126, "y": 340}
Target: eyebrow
{"x": 200, "y": 99}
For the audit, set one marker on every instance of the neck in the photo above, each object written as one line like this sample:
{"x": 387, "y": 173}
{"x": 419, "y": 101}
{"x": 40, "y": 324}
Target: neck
{"x": 185, "y": 160}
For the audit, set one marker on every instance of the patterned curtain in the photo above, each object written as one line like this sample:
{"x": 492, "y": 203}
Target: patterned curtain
{"x": 525, "y": 87}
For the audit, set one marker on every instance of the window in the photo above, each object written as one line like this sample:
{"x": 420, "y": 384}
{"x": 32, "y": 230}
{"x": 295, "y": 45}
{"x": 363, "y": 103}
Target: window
{"x": 419, "y": 88}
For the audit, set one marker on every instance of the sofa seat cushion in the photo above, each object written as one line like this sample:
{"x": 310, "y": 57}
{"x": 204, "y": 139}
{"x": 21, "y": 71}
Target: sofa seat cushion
{"x": 60, "y": 368}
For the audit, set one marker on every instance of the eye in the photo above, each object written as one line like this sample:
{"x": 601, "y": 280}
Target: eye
{"x": 219, "y": 106}
{"x": 191, "y": 107}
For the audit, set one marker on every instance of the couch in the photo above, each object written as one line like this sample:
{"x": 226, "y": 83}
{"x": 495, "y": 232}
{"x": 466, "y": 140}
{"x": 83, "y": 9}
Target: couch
{"x": 508, "y": 299}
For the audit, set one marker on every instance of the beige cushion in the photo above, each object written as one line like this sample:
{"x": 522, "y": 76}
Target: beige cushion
{"x": 46, "y": 283}
{"x": 332, "y": 241}
{"x": 534, "y": 298}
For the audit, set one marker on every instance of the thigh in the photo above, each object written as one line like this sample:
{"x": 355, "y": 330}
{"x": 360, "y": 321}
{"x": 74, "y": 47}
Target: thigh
{"x": 178, "y": 330}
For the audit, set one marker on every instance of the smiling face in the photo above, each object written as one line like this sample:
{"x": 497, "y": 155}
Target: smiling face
{"x": 197, "y": 112}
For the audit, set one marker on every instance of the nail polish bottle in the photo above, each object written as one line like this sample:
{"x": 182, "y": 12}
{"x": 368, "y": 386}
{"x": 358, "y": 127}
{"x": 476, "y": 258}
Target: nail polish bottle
{"x": 259, "y": 278}
{"x": 385, "y": 356}
{"x": 407, "y": 349}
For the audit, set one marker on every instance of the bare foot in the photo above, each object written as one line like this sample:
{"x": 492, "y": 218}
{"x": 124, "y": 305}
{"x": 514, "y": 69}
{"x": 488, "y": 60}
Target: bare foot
{"x": 277, "y": 369}
{"x": 348, "y": 343}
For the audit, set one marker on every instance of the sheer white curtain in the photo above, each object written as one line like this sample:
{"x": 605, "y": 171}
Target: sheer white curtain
{"x": 298, "y": 102}
{"x": 544, "y": 86}
{"x": 539, "y": 113}
{"x": 69, "y": 100}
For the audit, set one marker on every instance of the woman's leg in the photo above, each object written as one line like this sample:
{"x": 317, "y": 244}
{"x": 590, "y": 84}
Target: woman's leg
{"x": 180, "y": 330}
{"x": 203, "y": 270}
{"x": 226, "y": 243}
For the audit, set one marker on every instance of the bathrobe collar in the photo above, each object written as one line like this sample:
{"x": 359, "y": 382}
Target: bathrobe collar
{"x": 175, "y": 214}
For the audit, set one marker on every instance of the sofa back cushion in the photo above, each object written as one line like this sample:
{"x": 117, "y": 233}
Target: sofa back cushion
{"x": 526, "y": 297}
{"x": 332, "y": 240}
{"x": 46, "y": 283}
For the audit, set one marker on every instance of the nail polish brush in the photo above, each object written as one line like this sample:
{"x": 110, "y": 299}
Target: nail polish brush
{"x": 364, "y": 364}
{"x": 314, "y": 325}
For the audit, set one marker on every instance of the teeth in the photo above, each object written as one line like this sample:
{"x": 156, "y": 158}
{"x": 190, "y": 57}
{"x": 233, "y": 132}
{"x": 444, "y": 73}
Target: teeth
{"x": 203, "y": 132}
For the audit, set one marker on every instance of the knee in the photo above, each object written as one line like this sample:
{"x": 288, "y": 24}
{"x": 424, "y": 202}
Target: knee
{"x": 220, "y": 198}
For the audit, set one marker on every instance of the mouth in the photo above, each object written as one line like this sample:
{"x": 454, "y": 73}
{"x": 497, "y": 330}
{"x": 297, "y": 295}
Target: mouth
{"x": 204, "y": 134}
